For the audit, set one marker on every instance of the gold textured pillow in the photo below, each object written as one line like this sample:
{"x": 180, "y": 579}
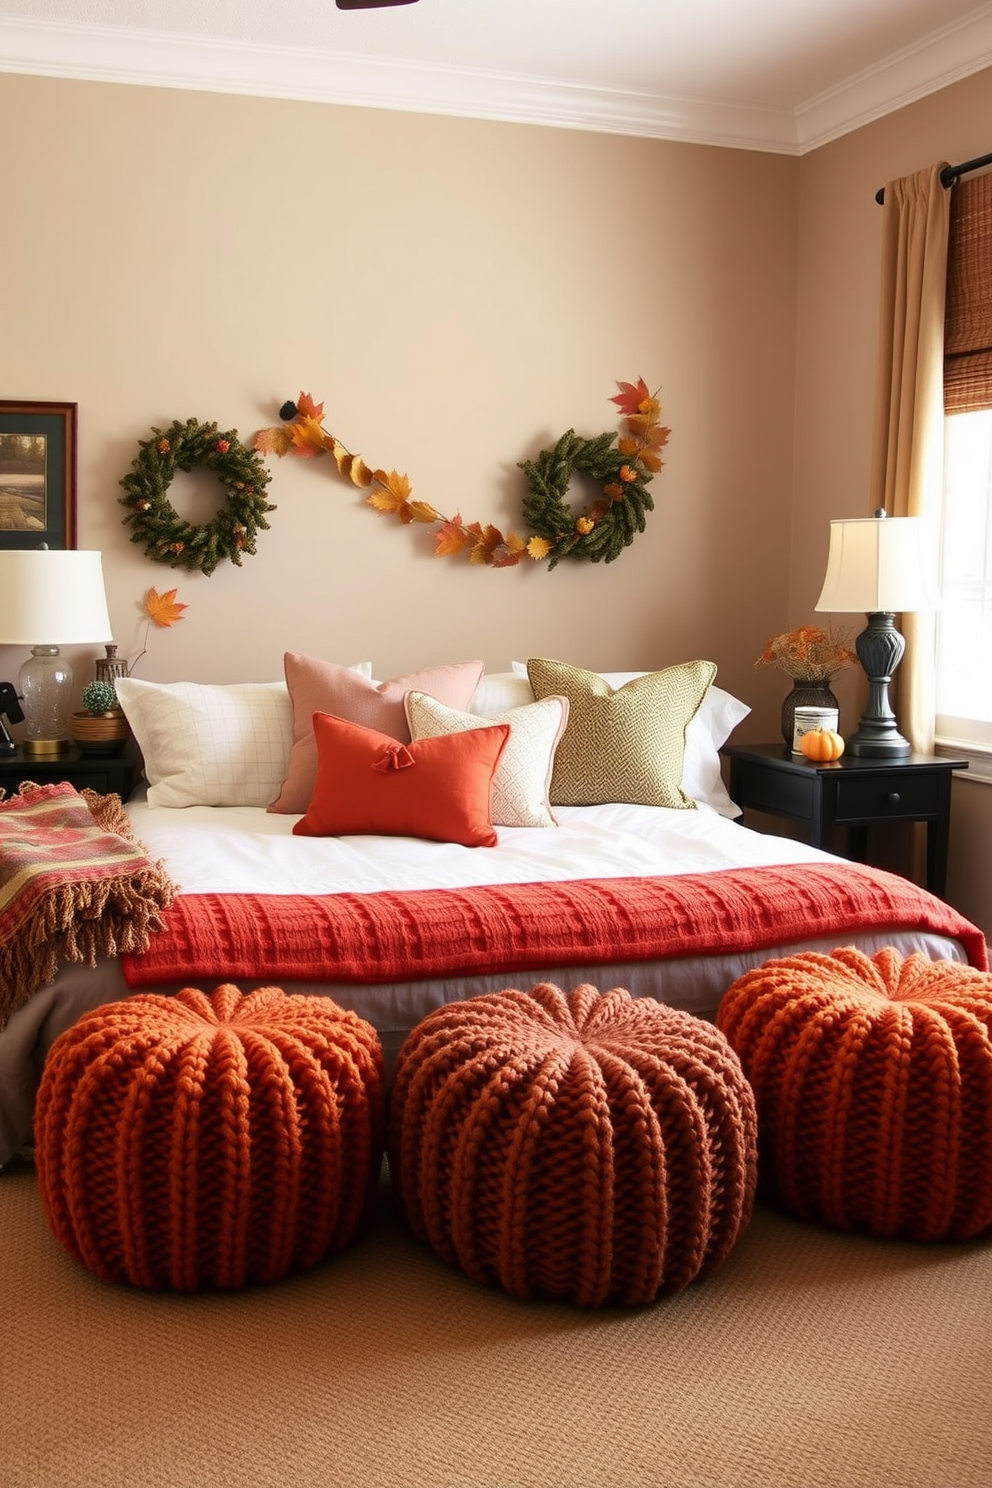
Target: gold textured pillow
{"x": 625, "y": 743}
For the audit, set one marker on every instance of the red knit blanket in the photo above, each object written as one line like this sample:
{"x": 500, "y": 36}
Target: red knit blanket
{"x": 392, "y": 936}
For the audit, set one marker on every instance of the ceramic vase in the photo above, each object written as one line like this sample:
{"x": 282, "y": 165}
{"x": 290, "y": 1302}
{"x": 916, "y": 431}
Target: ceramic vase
{"x": 805, "y": 694}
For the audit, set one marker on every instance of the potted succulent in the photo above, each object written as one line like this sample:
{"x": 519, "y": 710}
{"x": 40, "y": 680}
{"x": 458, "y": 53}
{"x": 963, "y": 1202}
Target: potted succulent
{"x": 100, "y": 727}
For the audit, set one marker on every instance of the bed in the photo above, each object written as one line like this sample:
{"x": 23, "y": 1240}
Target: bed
{"x": 250, "y": 809}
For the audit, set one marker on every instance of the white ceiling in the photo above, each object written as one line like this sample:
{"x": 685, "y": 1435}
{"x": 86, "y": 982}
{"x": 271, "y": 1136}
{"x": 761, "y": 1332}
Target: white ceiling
{"x": 781, "y": 75}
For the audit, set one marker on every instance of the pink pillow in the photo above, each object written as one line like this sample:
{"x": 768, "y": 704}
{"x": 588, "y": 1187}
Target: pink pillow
{"x": 322, "y": 687}
{"x": 368, "y": 782}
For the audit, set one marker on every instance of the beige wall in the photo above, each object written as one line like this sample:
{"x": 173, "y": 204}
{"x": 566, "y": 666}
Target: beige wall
{"x": 458, "y": 293}
{"x": 837, "y": 318}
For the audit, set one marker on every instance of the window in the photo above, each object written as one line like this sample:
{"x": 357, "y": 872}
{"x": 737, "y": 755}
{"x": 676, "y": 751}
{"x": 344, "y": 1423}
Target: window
{"x": 964, "y": 621}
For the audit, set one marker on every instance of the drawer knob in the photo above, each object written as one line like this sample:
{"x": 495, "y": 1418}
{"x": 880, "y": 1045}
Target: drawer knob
{"x": 893, "y": 798}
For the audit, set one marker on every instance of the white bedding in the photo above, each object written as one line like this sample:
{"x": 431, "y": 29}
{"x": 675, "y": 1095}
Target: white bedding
{"x": 234, "y": 849}
{"x": 242, "y": 849}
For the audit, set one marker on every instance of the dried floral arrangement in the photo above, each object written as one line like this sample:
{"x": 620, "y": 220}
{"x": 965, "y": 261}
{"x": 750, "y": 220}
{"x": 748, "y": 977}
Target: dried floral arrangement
{"x": 807, "y": 654}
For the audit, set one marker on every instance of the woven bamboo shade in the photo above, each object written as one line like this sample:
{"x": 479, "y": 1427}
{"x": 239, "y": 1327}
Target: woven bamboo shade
{"x": 968, "y": 314}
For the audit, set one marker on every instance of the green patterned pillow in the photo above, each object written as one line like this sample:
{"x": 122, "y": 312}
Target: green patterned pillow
{"x": 625, "y": 743}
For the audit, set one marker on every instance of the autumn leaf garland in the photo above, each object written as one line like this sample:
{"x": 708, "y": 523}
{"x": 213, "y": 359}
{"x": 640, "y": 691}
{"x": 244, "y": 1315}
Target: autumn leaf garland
{"x": 621, "y": 465}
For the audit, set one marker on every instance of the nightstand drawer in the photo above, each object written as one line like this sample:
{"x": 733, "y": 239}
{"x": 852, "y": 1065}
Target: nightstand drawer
{"x": 852, "y": 794}
{"x": 780, "y": 795}
{"x": 119, "y": 774}
{"x": 905, "y": 795}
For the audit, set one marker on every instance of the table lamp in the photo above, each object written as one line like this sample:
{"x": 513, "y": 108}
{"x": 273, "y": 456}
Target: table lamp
{"x": 876, "y": 564}
{"x": 48, "y": 598}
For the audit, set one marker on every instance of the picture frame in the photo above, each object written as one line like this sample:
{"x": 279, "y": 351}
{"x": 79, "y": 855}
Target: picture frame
{"x": 37, "y": 474}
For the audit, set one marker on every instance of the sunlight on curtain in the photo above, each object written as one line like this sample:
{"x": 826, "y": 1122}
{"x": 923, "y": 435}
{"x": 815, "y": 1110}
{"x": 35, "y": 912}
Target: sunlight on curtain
{"x": 908, "y": 455}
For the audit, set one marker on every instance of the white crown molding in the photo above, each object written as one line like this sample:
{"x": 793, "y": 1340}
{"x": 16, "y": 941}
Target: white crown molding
{"x": 116, "y": 55}
{"x": 157, "y": 59}
{"x": 956, "y": 51}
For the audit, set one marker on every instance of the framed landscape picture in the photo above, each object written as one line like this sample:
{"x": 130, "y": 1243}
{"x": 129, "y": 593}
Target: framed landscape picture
{"x": 37, "y": 474}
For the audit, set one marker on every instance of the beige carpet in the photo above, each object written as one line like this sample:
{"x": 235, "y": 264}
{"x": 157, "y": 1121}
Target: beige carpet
{"x": 812, "y": 1358}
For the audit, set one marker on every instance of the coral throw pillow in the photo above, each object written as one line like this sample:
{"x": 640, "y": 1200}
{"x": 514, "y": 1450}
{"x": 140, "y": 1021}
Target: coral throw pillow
{"x": 369, "y": 782}
{"x": 322, "y": 687}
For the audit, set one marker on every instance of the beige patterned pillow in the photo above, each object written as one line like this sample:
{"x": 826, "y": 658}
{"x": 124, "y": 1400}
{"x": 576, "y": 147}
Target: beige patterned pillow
{"x": 625, "y": 743}
{"x": 523, "y": 775}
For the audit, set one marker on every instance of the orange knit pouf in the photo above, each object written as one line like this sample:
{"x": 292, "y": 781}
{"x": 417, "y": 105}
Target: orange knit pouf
{"x": 873, "y": 1081}
{"x": 590, "y": 1147}
{"x": 209, "y": 1141}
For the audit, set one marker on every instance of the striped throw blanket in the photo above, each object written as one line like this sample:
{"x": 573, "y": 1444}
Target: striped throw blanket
{"x": 74, "y": 885}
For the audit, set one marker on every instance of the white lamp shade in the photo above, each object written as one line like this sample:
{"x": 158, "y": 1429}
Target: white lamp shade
{"x": 52, "y": 597}
{"x": 877, "y": 565}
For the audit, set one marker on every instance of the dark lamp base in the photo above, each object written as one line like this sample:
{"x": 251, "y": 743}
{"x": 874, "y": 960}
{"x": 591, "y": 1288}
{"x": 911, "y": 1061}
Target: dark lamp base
{"x": 889, "y": 744}
{"x": 880, "y": 648}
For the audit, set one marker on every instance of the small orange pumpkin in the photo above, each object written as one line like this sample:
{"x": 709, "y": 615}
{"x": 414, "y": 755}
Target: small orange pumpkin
{"x": 821, "y": 745}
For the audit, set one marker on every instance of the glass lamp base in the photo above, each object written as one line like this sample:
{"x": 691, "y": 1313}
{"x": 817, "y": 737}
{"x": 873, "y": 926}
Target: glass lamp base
{"x": 46, "y": 694}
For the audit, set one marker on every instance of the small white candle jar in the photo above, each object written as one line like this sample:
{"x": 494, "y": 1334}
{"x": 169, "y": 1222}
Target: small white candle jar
{"x": 808, "y": 720}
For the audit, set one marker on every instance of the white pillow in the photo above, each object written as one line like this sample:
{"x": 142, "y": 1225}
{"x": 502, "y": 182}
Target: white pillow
{"x": 523, "y": 775}
{"x": 211, "y": 745}
{"x": 718, "y": 715}
{"x": 500, "y": 691}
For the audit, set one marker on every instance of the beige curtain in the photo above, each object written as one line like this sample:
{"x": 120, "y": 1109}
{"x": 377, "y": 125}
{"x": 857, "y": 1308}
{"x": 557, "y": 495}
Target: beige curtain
{"x": 908, "y": 452}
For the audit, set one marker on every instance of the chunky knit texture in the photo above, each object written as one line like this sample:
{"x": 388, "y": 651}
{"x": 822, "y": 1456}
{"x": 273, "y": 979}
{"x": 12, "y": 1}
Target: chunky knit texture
{"x": 873, "y": 1082}
{"x": 513, "y": 928}
{"x": 589, "y": 1146}
{"x": 209, "y": 1140}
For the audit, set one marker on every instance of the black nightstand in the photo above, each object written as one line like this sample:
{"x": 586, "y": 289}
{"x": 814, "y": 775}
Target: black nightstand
{"x": 852, "y": 792}
{"x": 120, "y": 773}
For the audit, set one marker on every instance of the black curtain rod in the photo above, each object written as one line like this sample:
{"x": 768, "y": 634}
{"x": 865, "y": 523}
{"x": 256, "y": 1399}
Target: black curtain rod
{"x": 948, "y": 175}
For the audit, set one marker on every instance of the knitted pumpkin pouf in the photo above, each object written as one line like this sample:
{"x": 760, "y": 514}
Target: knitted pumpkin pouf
{"x": 209, "y": 1140}
{"x": 590, "y": 1147}
{"x": 873, "y": 1082}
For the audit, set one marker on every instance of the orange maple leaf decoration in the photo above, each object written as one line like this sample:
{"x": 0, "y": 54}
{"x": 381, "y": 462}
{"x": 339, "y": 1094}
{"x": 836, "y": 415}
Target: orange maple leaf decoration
{"x": 163, "y": 609}
{"x": 392, "y": 493}
{"x": 631, "y": 396}
{"x": 302, "y": 433}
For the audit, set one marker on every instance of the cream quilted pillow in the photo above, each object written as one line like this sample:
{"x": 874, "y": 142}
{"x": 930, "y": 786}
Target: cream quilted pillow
{"x": 625, "y": 743}
{"x": 523, "y": 776}
{"x": 207, "y": 744}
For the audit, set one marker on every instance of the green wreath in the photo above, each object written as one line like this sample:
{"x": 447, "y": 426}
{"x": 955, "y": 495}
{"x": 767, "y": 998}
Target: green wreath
{"x": 156, "y": 524}
{"x": 612, "y": 522}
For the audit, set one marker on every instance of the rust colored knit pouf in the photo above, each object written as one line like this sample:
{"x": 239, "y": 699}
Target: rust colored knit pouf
{"x": 873, "y": 1082}
{"x": 591, "y": 1146}
{"x": 209, "y": 1140}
